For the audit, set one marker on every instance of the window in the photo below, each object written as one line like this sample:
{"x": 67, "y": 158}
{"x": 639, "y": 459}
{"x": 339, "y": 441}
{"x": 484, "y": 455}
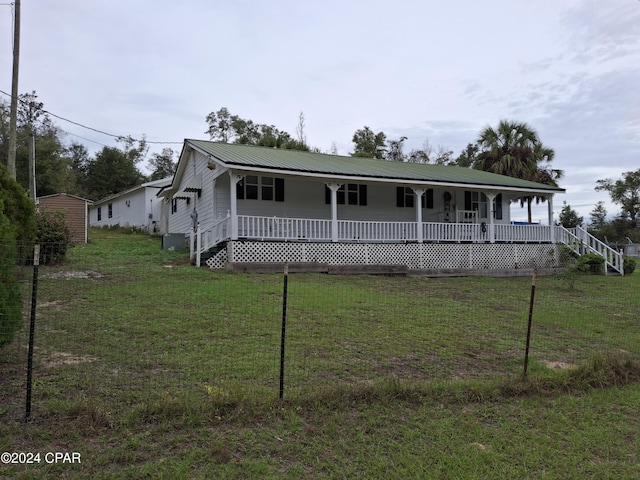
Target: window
{"x": 406, "y": 198}
{"x": 478, "y": 201}
{"x": 99, "y": 213}
{"x": 350, "y": 194}
{"x": 110, "y": 208}
{"x": 174, "y": 205}
{"x": 253, "y": 187}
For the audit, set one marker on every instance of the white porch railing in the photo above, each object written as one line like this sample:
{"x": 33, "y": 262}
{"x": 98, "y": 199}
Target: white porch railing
{"x": 319, "y": 230}
{"x": 523, "y": 233}
{"x": 581, "y": 242}
{"x": 208, "y": 237}
{"x": 278, "y": 228}
{"x": 366, "y": 231}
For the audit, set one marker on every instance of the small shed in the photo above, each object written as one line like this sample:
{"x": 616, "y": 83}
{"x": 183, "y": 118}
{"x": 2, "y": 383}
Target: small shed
{"x": 76, "y": 211}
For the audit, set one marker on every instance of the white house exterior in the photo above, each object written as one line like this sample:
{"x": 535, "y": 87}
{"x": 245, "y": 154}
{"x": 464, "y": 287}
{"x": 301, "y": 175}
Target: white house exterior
{"x": 262, "y": 205}
{"x": 137, "y": 207}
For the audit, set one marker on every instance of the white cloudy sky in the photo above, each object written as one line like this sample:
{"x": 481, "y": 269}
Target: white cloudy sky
{"x": 426, "y": 69}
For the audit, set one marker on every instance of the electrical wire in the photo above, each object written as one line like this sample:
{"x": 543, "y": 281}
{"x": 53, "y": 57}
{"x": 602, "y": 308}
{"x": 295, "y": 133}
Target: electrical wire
{"x": 102, "y": 132}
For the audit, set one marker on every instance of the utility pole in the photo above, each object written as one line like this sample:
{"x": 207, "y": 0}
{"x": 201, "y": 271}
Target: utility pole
{"x": 32, "y": 165}
{"x": 13, "y": 120}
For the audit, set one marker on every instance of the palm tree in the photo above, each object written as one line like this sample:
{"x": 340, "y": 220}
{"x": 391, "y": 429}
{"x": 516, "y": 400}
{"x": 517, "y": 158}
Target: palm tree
{"x": 514, "y": 149}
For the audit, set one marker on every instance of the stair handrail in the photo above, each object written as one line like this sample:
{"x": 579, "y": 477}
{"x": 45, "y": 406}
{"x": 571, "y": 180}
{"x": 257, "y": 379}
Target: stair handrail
{"x": 210, "y": 236}
{"x": 581, "y": 241}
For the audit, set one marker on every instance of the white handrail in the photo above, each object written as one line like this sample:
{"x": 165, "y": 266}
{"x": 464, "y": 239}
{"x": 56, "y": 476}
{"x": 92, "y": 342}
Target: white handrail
{"x": 581, "y": 242}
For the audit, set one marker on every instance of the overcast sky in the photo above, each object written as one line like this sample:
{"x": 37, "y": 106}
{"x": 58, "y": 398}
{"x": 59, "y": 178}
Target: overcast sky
{"x": 424, "y": 69}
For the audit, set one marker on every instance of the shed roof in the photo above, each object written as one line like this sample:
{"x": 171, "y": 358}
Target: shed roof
{"x": 295, "y": 161}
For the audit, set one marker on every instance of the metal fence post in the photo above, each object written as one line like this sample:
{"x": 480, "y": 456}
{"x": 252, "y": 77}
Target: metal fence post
{"x": 284, "y": 328}
{"x": 32, "y": 327}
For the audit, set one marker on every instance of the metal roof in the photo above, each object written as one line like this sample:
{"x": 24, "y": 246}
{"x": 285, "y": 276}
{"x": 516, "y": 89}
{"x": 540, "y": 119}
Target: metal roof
{"x": 250, "y": 157}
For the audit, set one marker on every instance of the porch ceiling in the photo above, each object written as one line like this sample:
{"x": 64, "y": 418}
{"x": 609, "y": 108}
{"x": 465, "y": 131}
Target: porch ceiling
{"x": 334, "y": 166}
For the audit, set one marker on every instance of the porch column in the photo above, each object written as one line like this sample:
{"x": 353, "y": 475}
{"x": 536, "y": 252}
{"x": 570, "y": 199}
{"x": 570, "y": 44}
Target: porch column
{"x": 334, "y": 210}
{"x": 491, "y": 196}
{"x": 552, "y": 228}
{"x": 234, "y": 178}
{"x": 418, "y": 202}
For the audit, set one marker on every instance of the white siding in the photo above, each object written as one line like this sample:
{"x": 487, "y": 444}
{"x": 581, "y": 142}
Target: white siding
{"x": 304, "y": 198}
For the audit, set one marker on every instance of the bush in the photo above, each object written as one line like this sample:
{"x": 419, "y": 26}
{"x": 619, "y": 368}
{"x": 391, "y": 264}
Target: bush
{"x": 629, "y": 265}
{"x": 54, "y": 237}
{"x": 10, "y": 301}
{"x": 20, "y": 211}
{"x": 592, "y": 263}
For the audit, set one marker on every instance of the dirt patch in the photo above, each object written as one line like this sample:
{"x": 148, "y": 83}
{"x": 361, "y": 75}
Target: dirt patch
{"x": 63, "y": 358}
{"x": 75, "y": 274}
{"x": 55, "y": 305}
{"x": 559, "y": 365}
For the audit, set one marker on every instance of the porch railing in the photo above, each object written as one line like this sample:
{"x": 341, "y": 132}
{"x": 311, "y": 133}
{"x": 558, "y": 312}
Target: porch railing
{"x": 278, "y": 228}
{"x": 366, "y": 231}
{"x": 320, "y": 230}
{"x": 306, "y": 229}
{"x": 208, "y": 237}
{"x": 581, "y": 242}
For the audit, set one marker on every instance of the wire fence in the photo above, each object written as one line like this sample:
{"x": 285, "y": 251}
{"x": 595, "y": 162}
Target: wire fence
{"x": 121, "y": 323}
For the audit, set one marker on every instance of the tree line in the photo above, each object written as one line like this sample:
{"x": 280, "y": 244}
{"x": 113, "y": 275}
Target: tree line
{"x": 511, "y": 148}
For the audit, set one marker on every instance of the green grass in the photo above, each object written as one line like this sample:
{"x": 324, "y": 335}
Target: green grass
{"x": 151, "y": 368}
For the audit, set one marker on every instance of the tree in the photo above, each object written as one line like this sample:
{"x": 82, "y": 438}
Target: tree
{"x": 624, "y": 192}
{"x": 219, "y": 125}
{"x": 302, "y": 138}
{"x": 394, "y": 151}
{"x": 111, "y": 171}
{"x": 514, "y": 149}
{"x": 369, "y": 144}
{"x": 52, "y": 167}
{"x": 17, "y": 234}
{"x": 18, "y": 208}
{"x": 227, "y": 128}
{"x": 598, "y": 216}
{"x": 162, "y": 164}
{"x": 78, "y": 159}
{"x": 467, "y": 156}
{"x": 569, "y": 218}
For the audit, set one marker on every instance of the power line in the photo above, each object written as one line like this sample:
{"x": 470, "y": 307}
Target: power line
{"x": 102, "y": 132}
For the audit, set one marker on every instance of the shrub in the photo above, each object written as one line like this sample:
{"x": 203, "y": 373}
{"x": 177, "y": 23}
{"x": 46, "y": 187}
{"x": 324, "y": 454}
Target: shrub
{"x": 592, "y": 263}
{"x": 10, "y": 301}
{"x": 20, "y": 211}
{"x": 54, "y": 237}
{"x": 629, "y": 265}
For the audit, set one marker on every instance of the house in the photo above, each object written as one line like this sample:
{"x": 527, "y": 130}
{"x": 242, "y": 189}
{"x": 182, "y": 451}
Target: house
{"x": 137, "y": 207}
{"x": 75, "y": 210}
{"x": 245, "y": 205}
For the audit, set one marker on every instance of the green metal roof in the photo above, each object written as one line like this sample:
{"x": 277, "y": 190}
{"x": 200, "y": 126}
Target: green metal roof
{"x": 294, "y": 161}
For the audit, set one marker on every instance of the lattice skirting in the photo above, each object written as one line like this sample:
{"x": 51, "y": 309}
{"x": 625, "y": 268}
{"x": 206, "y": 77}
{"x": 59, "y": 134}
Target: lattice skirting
{"x": 414, "y": 256}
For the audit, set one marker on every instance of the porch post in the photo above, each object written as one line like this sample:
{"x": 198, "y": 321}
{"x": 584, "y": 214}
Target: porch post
{"x": 418, "y": 201}
{"x": 552, "y": 229}
{"x": 492, "y": 230}
{"x": 233, "y": 201}
{"x": 334, "y": 210}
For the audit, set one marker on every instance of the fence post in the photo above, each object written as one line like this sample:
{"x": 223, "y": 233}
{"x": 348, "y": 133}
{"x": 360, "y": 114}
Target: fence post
{"x": 284, "y": 328}
{"x": 32, "y": 328}
{"x": 533, "y": 294}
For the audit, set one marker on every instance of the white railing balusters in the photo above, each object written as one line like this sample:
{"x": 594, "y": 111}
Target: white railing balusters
{"x": 581, "y": 242}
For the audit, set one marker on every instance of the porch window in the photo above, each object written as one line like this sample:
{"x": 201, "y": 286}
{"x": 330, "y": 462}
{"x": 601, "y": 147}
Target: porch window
{"x": 406, "y": 198}
{"x": 110, "y": 208}
{"x": 253, "y": 187}
{"x": 99, "y": 213}
{"x": 350, "y": 194}
{"x": 478, "y": 201}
